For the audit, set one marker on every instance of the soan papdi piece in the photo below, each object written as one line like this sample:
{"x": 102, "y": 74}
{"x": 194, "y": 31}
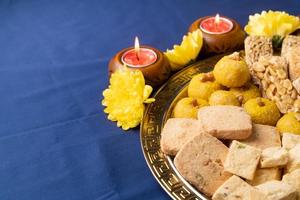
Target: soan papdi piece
{"x": 294, "y": 159}
{"x": 242, "y": 160}
{"x": 293, "y": 179}
{"x": 278, "y": 190}
{"x": 265, "y": 175}
{"x": 290, "y": 140}
{"x": 293, "y": 59}
{"x": 274, "y": 157}
{"x": 176, "y": 132}
{"x": 255, "y": 47}
{"x": 237, "y": 189}
{"x": 200, "y": 161}
{"x": 226, "y": 122}
{"x": 290, "y": 41}
{"x": 263, "y": 136}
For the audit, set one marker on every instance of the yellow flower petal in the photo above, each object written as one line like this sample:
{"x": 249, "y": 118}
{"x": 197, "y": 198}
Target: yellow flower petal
{"x": 272, "y": 23}
{"x": 124, "y": 99}
{"x": 187, "y": 51}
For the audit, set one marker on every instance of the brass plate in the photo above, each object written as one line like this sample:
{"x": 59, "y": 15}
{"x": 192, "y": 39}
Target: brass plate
{"x": 156, "y": 114}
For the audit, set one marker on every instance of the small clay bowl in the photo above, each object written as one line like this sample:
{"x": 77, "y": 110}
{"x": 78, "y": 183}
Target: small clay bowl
{"x": 220, "y": 43}
{"x": 154, "y": 74}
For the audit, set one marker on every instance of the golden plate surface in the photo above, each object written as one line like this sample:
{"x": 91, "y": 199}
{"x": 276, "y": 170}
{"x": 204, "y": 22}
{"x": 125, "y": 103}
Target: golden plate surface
{"x": 155, "y": 116}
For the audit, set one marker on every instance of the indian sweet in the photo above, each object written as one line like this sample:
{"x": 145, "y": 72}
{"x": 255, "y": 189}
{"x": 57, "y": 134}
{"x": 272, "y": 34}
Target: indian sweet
{"x": 203, "y": 85}
{"x": 223, "y": 97}
{"x": 247, "y": 92}
{"x": 262, "y": 111}
{"x": 188, "y": 107}
{"x": 289, "y": 123}
{"x": 232, "y": 71}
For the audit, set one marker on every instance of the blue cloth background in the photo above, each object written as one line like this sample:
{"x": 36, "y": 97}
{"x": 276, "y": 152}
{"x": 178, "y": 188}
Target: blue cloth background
{"x": 55, "y": 140}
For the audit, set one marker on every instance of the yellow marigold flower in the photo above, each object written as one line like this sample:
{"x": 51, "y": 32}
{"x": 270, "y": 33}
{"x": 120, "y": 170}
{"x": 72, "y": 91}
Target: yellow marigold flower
{"x": 187, "y": 51}
{"x": 125, "y": 97}
{"x": 272, "y": 23}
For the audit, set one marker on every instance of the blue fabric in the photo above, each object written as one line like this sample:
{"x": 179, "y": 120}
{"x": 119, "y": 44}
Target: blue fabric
{"x": 55, "y": 140}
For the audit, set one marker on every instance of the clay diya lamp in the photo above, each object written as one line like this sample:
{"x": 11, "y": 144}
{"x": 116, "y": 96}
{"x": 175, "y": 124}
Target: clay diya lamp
{"x": 150, "y": 61}
{"x": 220, "y": 34}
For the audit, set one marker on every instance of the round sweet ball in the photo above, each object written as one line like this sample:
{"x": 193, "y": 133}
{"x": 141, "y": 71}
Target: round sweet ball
{"x": 203, "y": 85}
{"x": 262, "y": 111}
{"x": 222, "y": 97}
{"x": 188, "y": 107}
{"x": 247, "y": 92}
{"x": 232, "y": 71}
{"x": 289, "y": 122}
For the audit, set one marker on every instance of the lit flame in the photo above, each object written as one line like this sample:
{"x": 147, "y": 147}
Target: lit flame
{"x": 136, "y": 45}
{"x": 217, "y": 19}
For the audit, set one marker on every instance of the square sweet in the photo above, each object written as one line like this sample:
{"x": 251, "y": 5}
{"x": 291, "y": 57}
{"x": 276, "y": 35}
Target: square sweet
{"x": 290, "y": 41}
{"x": 265, "y": 175}
{"x": 242, "y": 160}
{"x": 235, "y": 188}
{"x": 290, "y": 140}
{"x": 294, "y": 159}
{"x": 263, "y": 136}
{"x": 278, "y": 190}
{"x": 226, "y": 122}
{"x": 176, "y": 132}
{"x": 293, "y": 179}
{"x": 200, "y": 162}
{"x": 293, "y": 59}
{"x": 274, "y": 157}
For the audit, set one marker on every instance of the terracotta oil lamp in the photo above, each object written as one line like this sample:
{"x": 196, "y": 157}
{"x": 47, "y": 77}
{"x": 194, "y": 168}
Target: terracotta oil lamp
{"x": 150, "y": 61}
{"x": 220, "y": 34}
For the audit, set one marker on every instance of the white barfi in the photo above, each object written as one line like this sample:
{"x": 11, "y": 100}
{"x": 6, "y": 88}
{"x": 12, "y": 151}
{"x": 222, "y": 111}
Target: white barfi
{"x": 274, "y": 157}
{"x": 293, "y": 179}
{"x": 242, "y": 160}
{"x": 236, "y": 189}
{"x": 290, "y": 140}
{"x": 294, "y": 159}
{"x": 278, "y": 190}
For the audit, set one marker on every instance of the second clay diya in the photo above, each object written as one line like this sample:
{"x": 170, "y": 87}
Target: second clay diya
{"x": 220, "y": 34}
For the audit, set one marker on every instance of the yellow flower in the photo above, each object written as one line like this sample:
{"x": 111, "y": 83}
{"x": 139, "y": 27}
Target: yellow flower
{"x": 272, "y": 23}
{"x": 187, "y": 51}
{"x": 125, "y": 97}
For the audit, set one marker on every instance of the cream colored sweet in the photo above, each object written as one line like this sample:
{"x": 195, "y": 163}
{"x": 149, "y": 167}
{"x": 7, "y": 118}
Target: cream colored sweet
{"x": 278, "y": 190}
{"x": 274, "y": 157}
{"x": 293, "y": 179}
{"x": 290, "y": 140}
{"x": 265, "y": 175}
{"x": 225, "y": 122}
{"x": 242, "y": 160}
{"x": 294, "y": 159}
{"x": 235, "y": 188}
{"x": 176, "y": 132}
{"x": 263, "y": 136}
{"x": 200, "y": 162}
